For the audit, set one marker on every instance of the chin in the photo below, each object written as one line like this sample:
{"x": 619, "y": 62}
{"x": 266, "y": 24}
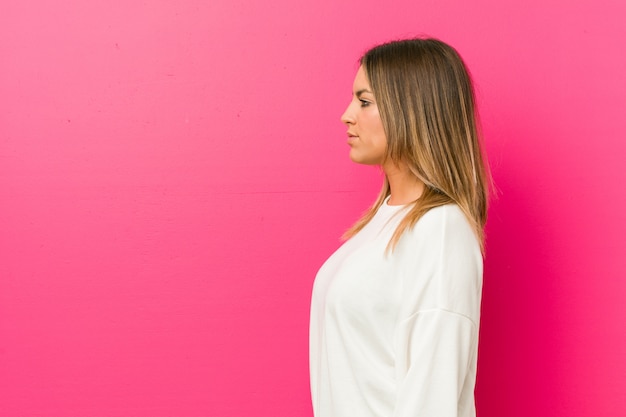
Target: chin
{"x": 363, "y": 162}
{"x": 358, "y": 158}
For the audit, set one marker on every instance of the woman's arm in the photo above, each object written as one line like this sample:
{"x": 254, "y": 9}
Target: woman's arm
{"x": 436, "y": 339}
{"x": 435, "y": 366}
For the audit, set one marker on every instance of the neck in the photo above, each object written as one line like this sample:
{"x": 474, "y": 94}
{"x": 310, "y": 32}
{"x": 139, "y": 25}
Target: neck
{"x": 405, "y": 187}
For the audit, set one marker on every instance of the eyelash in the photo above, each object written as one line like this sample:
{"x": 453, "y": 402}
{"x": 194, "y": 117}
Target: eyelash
{"x": 364, "y": 103}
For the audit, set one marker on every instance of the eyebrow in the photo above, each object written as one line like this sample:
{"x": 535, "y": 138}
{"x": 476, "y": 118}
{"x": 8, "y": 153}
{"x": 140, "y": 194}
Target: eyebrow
{"x": 361, "y": 91}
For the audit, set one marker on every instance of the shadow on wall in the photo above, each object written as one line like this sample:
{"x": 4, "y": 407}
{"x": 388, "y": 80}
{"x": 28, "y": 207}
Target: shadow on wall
{"x": 519, "y": 338}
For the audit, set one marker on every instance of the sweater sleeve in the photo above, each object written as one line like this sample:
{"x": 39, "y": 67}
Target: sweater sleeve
{"x": 436, "y": 339}
{"x": 437, "y": 349}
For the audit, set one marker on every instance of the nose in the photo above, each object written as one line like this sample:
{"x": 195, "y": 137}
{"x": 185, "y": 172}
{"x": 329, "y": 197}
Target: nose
{"x": 347, "y": 117}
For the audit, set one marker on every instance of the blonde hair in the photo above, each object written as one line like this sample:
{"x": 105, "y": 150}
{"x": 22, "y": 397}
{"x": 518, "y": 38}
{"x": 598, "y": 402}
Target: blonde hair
{"x": 426, "y": 102}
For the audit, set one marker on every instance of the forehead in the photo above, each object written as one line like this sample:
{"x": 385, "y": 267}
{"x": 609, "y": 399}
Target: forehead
{"x": 360, "y": 81}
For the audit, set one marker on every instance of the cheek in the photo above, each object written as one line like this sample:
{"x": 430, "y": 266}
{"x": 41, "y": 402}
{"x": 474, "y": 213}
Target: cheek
{"x": 371, "y": 121}
{"x": 376, "y": 124}
{"x": 379, "y": 134}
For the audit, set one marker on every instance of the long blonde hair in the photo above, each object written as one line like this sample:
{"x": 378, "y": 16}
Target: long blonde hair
{"x": 426, "y": 102}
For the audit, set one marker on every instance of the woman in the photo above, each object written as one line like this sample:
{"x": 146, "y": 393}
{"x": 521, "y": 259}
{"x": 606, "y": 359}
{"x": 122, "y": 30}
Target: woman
{"x": 395, "y": 310}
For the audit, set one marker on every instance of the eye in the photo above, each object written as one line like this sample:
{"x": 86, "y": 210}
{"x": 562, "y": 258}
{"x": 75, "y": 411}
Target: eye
{"x": 364, "y": 103}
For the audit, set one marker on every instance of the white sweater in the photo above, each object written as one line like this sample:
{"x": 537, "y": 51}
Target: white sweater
{"x": 397, "y": 335}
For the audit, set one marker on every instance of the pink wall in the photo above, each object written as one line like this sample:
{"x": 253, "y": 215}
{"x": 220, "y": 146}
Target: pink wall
{"x": 172, "y": 174}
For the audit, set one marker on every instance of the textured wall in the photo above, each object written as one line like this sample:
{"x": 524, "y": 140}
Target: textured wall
{"x": 172, "y": 174}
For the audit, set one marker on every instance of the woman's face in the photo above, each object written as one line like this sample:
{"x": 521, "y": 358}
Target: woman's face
{"x": 366, "y": 136}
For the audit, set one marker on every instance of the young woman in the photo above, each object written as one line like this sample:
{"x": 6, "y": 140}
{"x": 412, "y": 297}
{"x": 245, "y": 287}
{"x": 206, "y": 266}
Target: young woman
{"x": 395, "y": 310}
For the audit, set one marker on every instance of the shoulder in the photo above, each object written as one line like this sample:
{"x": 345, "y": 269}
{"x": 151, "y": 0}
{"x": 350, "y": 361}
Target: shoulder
{"x": 447, "y": 222}
{"x": 441, "y": 256}
{"x": 443, "y": 231}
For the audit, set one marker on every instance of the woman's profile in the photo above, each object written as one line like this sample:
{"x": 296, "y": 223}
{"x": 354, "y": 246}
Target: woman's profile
{"x": 395, "y": 310}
